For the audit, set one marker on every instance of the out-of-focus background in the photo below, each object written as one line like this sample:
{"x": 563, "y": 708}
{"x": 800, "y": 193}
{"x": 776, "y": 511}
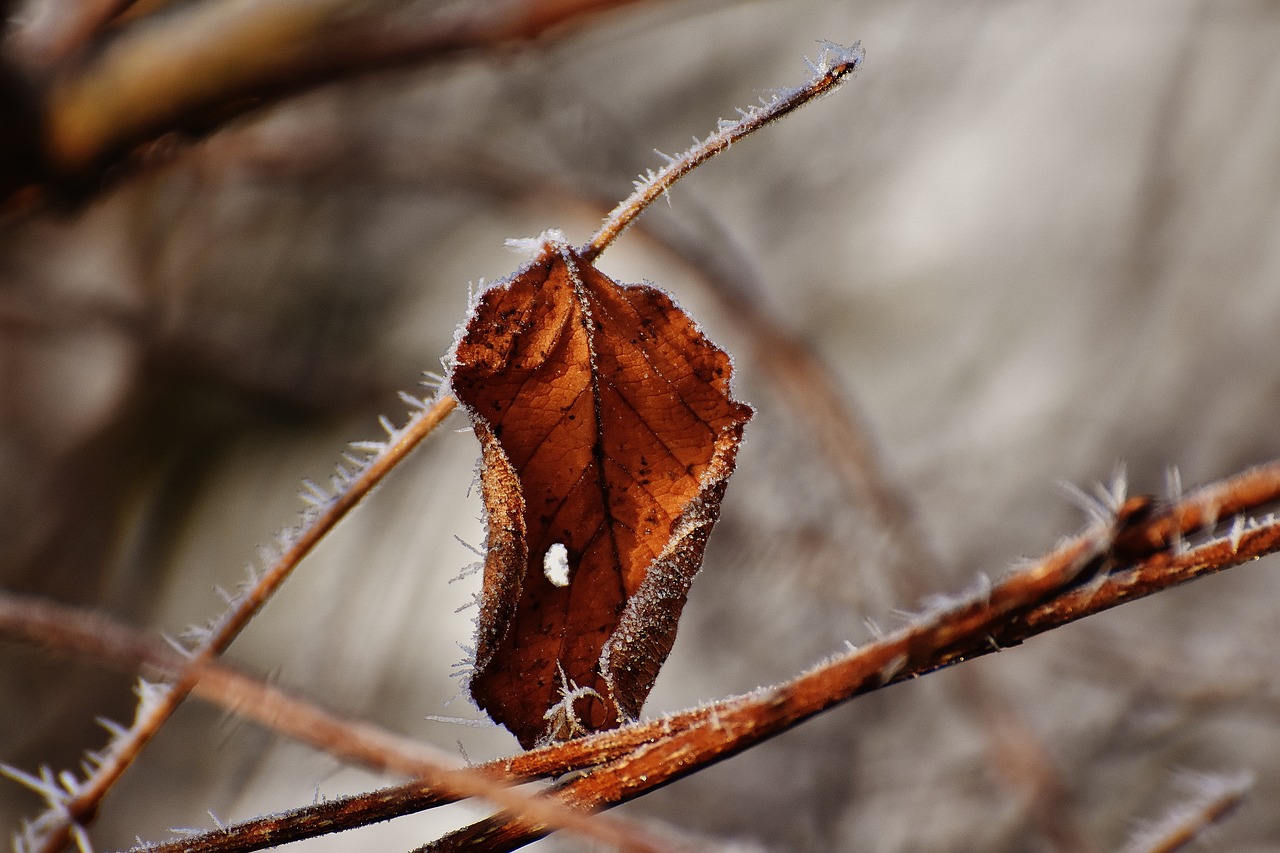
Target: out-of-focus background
{"x": 1029, "y": 241}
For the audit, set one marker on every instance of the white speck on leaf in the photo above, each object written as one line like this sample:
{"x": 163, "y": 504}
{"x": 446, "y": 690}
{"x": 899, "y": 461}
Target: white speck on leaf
{"x": 555, "y": 565}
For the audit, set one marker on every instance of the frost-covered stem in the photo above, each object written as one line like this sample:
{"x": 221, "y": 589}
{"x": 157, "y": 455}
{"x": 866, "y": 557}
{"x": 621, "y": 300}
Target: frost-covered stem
{"x": 680, "y": 744}
{"x": 663, "y": 750}
{"x": 57, "y": 627}
{"x": 1216, "y": 798}
{"x": 834, "y": 65}
{"x": 154, "y": 711}
{"x": 622, "y": 764}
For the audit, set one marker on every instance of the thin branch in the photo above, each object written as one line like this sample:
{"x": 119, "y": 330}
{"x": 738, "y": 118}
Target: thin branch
{"x": 834, "y": 65}
{"x": 673, "y": 747}
{"x": 623, "y": 763}
{"x": 687, "y": 742}
{"x": 1214, "y": 799}
{"x": 57, "y": 627}
{"x": 736, "y": 721}
{"x": 53, "y": 829}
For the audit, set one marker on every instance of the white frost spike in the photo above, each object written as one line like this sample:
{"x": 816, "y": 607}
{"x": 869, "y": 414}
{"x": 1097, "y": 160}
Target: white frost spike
{"x": 387, "y": 427}
{"x": 82, "y": 838}
{"x": 1114, "y": 496}
{"x": 371, "y": 447}
{"x": 176, "y": 645}
{"x": 531, "y": 247}
{"x": 1237, "y": 533}
{"x": 113, "y": 728}
{"x": 318, "y": 494}
{"x": 1098, "y": 510}
{"x": 834, "y": 56}
{"x": 69, "y": 782}
{"x": 44, "y": 785}
{"x": 894, "y": 666}
{"x": 149, "y": 694}
{"x": 472, "y": 548}
{"x": 412, "y": 401}
{"x": 469, "y": 722}
{"x": 555, "y": 565}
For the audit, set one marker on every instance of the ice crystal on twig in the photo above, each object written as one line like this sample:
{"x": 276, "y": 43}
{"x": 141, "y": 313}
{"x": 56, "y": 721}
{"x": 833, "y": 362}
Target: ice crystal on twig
{"x": 1212, "y": 798}
{"x": 833, "y": 65}
{"x": 1104, "y": 503}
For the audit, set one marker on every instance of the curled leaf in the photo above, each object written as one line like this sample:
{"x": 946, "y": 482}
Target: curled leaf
{"x": 608, "y": 435}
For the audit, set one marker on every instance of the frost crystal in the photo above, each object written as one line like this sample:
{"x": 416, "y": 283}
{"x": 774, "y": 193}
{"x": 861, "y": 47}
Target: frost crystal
{"x": 531, "y": 247}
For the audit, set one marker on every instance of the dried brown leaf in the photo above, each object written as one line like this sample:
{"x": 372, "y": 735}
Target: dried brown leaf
{"x": 609, "y": 434}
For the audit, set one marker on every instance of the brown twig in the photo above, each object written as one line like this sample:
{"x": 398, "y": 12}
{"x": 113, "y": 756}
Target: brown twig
{"x": 623, "y": 763}
{"x": 1215, "y": 798}
{"x": 688, "y": 742}
{"x": 670, "y": 748}
{"x": 833, "y": 67}
{"x": 56, "y": 627}
{"x": 52, "y": 830}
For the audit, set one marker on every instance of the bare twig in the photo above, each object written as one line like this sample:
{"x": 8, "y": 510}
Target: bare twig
{"x": 1214, "y": 799}
{"x": 52, "y": 830}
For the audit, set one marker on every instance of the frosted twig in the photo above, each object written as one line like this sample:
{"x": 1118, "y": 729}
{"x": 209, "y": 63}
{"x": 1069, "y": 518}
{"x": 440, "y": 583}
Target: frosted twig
{"x": 626, "y": 762}
{"x": 834, "y": 65}
{"x": 699, "y": 737}
{"x": 57, "y": 627}
{"x": 1214, "y": 798}
{"x": 944, "y": 637}
{"x": 160, "y": 701}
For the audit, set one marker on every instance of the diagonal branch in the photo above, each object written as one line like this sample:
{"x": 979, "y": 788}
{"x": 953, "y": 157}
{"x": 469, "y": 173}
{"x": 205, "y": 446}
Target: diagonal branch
{"x": 57, "y": 627}
{"x": 833, "y": 67}
{"x": 53, "y": 829}
{"x": 624, "y": 763}
{"x": 1214, "y": 800}
{"x": 955, "y": 632}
